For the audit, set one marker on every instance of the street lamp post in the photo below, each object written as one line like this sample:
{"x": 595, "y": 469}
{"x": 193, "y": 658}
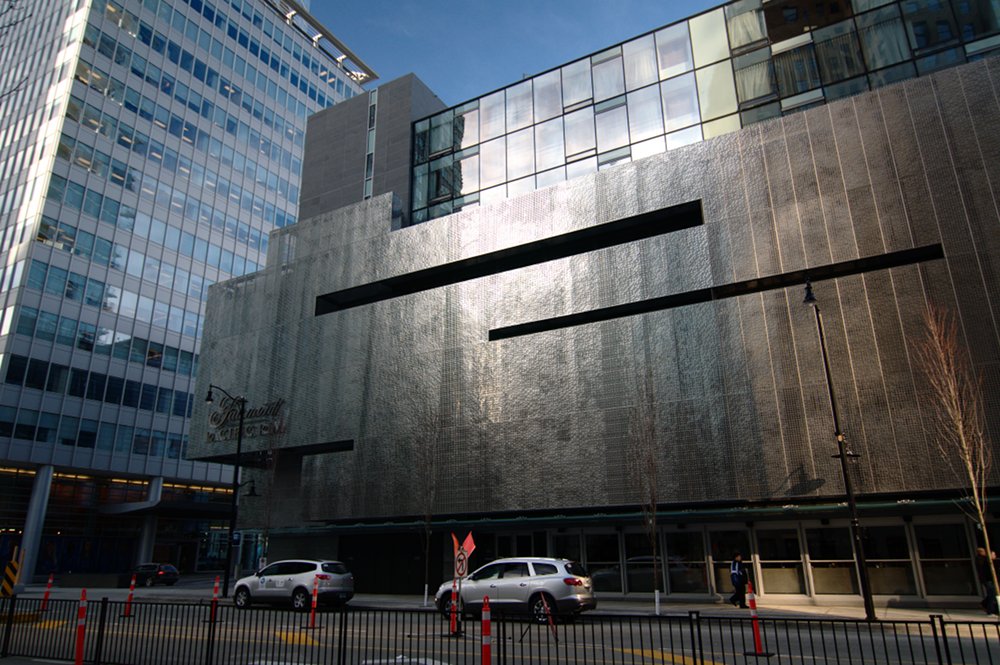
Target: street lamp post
{"x": 234, "y": 507}
{"x": 842, "y": 455}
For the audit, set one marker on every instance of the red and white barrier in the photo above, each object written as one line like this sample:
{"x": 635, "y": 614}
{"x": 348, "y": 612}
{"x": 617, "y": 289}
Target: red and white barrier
{"x": 215, "y": 600}
{"x": 128, "y": 601}
{"x": 312, "y": 612}
{"x": 454, "y": 608}
{"x": 487, "y": 633}
{"x": 755, "y": 622}
{"x": 48, "y": 590}
{"x": 81, "y": 626}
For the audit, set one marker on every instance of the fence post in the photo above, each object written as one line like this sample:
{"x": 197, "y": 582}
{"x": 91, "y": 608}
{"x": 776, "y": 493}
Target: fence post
{"x": 9, "y": 627}
{"x": 101, "y": 624}
{"x": 940, "y": 638}
{"x": 210, "y": 642}
{"x": 342, "y": 641}
{"x": 694, "y": 622}
{"x": 81, "y": 627}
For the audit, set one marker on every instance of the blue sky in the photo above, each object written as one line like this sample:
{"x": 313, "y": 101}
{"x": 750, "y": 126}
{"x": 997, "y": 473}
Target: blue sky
{"x": 463, "y": 49}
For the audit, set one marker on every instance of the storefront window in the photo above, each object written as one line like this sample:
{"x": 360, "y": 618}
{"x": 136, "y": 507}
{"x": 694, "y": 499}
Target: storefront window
{"x": 832, "y": 561}
{"x": 725, "y": 544}
{"x": 640, "y": 571}
{"x": 686, "y": 562}
{"x": 888, "y": 558}
{"x": 603, "y": 562}
{"x": 945, "y": 560}
{"x": 780, "y": 561}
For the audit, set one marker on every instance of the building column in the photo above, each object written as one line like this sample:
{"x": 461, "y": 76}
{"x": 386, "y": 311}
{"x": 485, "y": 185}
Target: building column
{"x": 31, "y": 537}
{"x": 147, "y": 538}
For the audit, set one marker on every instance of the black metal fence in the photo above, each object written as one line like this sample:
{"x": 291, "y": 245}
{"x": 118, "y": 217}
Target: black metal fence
{"x": 200, "y": 634}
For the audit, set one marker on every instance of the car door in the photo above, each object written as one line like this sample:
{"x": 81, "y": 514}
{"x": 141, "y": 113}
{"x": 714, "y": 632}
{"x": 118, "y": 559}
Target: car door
{"x": 267, "y": 581}
{"x": 514, "y": 588}
{"x": 483, "y": 582}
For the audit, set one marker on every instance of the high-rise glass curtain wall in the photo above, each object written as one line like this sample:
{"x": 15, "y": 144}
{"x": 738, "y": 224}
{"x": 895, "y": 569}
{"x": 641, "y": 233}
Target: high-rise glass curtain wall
{"x": 740, "y": 63}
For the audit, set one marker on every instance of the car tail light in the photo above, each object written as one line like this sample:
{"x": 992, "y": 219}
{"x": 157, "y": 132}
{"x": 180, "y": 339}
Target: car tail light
{"x": 322, "y": 576}
{"x": 572, "y": 581}
{"x": 159, "y": 572}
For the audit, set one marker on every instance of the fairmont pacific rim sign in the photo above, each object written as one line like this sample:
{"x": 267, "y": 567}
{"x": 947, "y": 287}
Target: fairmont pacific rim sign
{"x": 224, "y": 422}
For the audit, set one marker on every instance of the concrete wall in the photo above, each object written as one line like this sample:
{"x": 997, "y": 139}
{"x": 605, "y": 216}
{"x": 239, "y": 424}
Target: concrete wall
{"x": 548, "y": 421}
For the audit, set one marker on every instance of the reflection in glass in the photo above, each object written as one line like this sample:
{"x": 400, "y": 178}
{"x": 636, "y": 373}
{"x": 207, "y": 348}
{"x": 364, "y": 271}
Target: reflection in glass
{"x": 609, "y": 80}
{"x": 721, "y": 126}
{"x": 653, "y": 146}
{"x": 929, "y": 23}
{"x": 493, "y": 162}
{"x": 441, "y": 132}
{"x": 640, "y": 62}
{"x": 706, "y": 37}
{"x": 520, "y": 153}
{"x": 467, "y": 125}
{"x": 519, "y": 106}
{"x": 745, "y": 21}
{"x": 754, "y": 75}
{"x": 551, "y": 177}
{"x": 831, "y": 558}
{"x": 673, "y": 51}
{"x": 645, "y": 113}
{"x": 680, "y": 102}
{"x": 579, "y": 131}
{"x": 940, "y": 60}
{"x": 864, "y": 5}
{"x": 846, "y": 89}
{"x": 549, "y": 149}
{"x": 419, "y": 186}
{"x": 581, "y": 167}
{"x": 576, "y": 82}
{"x": 548, "y": 96}
{"x": 467, "y": 172}
{"x": 492, "y": 116}
{"x": 493, "y": 195}
{"x": 522, "y": 186}
{"x": 716, "y": 91}
{"x": 612, "y": 129}
{"x": 889, "y": 75}
{"x": 945, "y": 559}
{"x": 977, "y": 18}
{"x": 838, "y": 52}
{"x": 883, "y": 38}
{"x": 683, "y": 137}
{"x": 780, "y": 561}
{"x": 686, "y": 563}
{"x": 796, "y": 71}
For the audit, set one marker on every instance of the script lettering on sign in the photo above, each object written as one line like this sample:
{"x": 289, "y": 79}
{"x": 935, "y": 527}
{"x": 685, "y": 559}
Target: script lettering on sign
{"x": 224, "y": 422}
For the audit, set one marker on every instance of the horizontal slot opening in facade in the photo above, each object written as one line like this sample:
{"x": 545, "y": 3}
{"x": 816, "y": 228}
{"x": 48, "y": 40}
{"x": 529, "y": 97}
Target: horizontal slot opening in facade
{"x": 600, "y": 236}
{"x": 769, "y": 283}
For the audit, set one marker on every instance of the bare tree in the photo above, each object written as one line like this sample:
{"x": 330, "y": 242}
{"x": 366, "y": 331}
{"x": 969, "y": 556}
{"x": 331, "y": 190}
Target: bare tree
{"x": 12, "y": 14}
{"x": 644, "y": 463}
{"x": 960, "y": 427}
{"x": 425, "y": 464}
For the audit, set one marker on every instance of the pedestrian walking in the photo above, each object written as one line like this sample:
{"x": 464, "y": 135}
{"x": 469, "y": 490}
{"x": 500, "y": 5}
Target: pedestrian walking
{"x": 738, "y": 576}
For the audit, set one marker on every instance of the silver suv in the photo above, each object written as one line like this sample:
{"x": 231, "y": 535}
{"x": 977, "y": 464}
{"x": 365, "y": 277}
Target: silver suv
{"x": 535, "y": 585}
{"x": 292, "y": 580}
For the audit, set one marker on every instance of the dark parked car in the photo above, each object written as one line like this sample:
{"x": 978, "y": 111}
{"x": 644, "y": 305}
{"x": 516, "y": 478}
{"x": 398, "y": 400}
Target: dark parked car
{"x": 148, "y": 574}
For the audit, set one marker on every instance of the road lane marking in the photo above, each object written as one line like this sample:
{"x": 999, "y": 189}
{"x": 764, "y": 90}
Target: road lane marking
{"x": 667, "y": 657}
{"x": 52, "y": 623}
{"x": 296, "y": 637}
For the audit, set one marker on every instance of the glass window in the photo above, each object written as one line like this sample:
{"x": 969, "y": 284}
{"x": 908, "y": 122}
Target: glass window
{"x": 609, "y": 80}
{"x": 706, "y": 37}
{"x": 603, "y": 562}
{"x": 520, "y": 113}
{"x": 26, "y": 321}
{"x": 467, "y": 172}
{"x": 35, "y": 377}
{"x": 47, "y": 425}
{"x": 27, "y": 421}
{"x": 467, "y": 125}
{"x": 45, "y": 328}
{"x": 883, "y": 38}
{"x": 888, "y": 557}
{"x": 945, "y": 560}
{"x": 612, "y": 128}
{"x": 831, "y": 558}
{"x": 77, "y": 382}
{"x": 640, "y": 62}
{"x": 796, "y": 71}
{"x": 520, "y": 154}
{"x": 929, "y": 23}
{"x": 547, "y": 96}
{"x": 441, "y": 133}
{"x": 780, "y": 561}
{"x": 645, "y": 114}
{"x": 754, "y": 76}
{"x": 579, "y": 127}
{"x": 838, "y": 52}
{"x": 492, "y": 116}
{"x": 745, "y": 21}
{"x": 686, "y": 562}
{"x": 493, "y": 162}
{"x": 680, "y": 102}
{"x": 58, "y": 378}
{"x": 576, "y": 83}
{"x": 716, "y": 91}
{"x": 549, "y": 148}
{"x": 725, "y": 545}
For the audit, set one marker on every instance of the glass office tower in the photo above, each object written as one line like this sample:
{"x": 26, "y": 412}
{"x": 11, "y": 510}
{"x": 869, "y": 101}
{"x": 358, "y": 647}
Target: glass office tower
{"x": 708, "y": 75}
{"x": 147, "y": 149}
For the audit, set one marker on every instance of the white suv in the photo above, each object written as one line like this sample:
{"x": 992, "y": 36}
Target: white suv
{"x": 292, "y": 580}
{"x": 540, "y": 586}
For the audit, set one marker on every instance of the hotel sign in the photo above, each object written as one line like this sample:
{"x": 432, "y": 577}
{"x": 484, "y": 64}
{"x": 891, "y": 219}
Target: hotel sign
{"x": 224, "y": 422}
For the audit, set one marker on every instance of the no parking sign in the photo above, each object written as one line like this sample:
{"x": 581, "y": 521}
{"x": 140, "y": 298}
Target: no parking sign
{"x": 462, "y": 554}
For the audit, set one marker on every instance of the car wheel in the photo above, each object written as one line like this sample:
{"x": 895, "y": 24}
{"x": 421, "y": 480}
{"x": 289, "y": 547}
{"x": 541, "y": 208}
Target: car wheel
{"x": 150, "y": 581}
{"x": 542, "y": 608}
{"x": 444, "y": 606}
{"x": 300, "y": 600}
{"x": 241, "y": 598}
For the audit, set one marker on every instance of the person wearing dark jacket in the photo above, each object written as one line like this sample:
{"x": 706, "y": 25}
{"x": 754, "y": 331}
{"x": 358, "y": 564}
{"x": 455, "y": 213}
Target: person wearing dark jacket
{"x": 738, "y": 576}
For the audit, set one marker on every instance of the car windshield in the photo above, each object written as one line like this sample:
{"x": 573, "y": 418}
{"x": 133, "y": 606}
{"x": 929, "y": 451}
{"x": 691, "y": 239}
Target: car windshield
{"x": 334, "y": 567}
{"x": 574, "y": 568}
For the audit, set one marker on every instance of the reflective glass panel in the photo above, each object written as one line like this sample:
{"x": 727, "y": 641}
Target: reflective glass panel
{"x": 745, "y": 21}
{"x": 640, "y": 62}
{"x": 683, "y": 137}
{"x": 680, "y": 102}
{"x": 645, "y": 113}
{"x": 520, "y": 153}
{"x": 549, "y": 148}
{"x": 609, "y": 80}
{"x": 721, "y": 126}
{"x": 796, "y": 71}
{"x": 673, "y": 51}
{"x": 519, "y": 106}
{"x": 579, "y": 131}
{"x": 929, "y": 23}
{"x": 716, "y": 90}
{"x": 653, "y": 146}
{"x": 548, "y": 96}
{"x": 883, "y": 38}
{"x": 467, "y": 173}
{"x": 612, "y": 129}
{"x": 576, "y": 84}
{"x": 493, "y": 162}
{"x": 754, "y": 76}
{"x": 467, "y": 126}
{"x": 708, "y": 37}
{"x": 441, "y": 132}
{"x": 492, "y": 116}
{"x": 838, "y": 52}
